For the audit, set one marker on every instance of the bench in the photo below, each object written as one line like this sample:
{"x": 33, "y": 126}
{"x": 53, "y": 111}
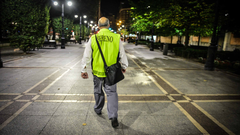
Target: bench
{"x": 170, "y": 46}
{"x": 131, "y": 40}
{"x": 50, "y": 43}
{"x": 71, "y": 40}
{"x": 199, "y": 47}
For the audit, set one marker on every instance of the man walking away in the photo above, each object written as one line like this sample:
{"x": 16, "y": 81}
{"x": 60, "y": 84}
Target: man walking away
{"x": 112, "y": 48}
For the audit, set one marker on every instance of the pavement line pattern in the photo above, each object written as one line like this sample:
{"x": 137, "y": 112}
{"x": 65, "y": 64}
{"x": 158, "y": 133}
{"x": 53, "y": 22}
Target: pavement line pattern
{"x": 199, "y": 127}
{"x": 212, "y": 118}
{"x": 14, "y": 115}
{"x": 35, "y": 97}
{"x": 206, "y": 119}
{"x": 41, "y": 81}
{"x": 167, "y": 82}
{"x": 6, "y": 105}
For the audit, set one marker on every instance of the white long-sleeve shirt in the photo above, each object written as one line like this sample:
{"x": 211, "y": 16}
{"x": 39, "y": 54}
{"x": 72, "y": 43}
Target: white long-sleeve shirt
{"x": 87, "y": 56}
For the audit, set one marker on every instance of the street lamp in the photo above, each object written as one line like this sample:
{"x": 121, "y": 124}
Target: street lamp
{"x": 62, "y": 38}
{"x": 69, "y": 3}
{"x": 55, "y": 3}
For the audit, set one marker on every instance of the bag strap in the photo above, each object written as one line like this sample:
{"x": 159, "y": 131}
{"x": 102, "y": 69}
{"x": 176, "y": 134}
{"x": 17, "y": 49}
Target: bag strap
{"x": 105, "y": 64}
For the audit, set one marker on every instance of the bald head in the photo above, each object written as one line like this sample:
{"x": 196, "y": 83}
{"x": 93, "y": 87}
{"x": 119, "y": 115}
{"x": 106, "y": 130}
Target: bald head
{"x": 103, "y": 22}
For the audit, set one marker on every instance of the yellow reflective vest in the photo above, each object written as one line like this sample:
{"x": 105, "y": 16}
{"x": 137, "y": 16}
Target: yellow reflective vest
{"x": 109, "y": 43}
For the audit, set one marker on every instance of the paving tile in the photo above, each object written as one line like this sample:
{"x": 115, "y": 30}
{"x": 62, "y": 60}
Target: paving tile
{"x": 80, "y": 108}
{"x": 51, "y": 97}
{"x": 12, "y": 108}
{"x": 4, "y": 117}
{"x": 25, "y": 125}
{"x": 64, "y": 125}
{"x": 100, "y": 125}
{"x": 132, "y": 108}
{"x": 163, "y": 108}
{"x": 58, "y": 89}
{"x": 40, "y": 109}
{"x": 140, "y": 125}
{"x": 177, "y": 124}
{"x": 127, "y": 90}
{"x": 82, "y": 90}
{"x": 7, "y": 97}
{"x": 79, "y": 98}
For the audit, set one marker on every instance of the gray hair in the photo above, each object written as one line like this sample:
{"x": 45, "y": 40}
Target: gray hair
{"x": 104, "y": 24}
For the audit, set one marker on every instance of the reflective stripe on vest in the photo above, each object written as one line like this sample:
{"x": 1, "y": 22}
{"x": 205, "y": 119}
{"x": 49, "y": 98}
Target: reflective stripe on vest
{"x": 109, "y": 43}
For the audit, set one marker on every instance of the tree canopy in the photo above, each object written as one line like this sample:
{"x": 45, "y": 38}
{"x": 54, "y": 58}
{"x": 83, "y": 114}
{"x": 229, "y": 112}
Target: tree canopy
{"x": 27, "y": 21}
{"x": 177, "y": 17}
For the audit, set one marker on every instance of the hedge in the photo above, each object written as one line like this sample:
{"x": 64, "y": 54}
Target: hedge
{"x": 189, "y": 52}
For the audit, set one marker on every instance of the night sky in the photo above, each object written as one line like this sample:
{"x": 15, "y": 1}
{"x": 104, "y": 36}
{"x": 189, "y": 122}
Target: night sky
{"x": 113, "y": 6}
{"x": 87, "y": 7}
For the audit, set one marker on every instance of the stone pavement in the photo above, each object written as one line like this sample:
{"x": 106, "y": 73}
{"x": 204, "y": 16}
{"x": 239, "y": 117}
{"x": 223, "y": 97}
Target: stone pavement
{"x": 160, "y": 95}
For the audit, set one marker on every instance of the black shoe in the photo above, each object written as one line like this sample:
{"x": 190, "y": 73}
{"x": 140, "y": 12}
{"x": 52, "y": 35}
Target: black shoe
{"x": 114, "y": 122}
{"x": 100, "y": 113}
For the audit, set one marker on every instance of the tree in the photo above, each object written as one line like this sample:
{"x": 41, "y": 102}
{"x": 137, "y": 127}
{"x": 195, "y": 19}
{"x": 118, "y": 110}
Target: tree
{"x": 76, "y": 29}
{"x": 27, "y": 21}
{"x": 68, "y": 26}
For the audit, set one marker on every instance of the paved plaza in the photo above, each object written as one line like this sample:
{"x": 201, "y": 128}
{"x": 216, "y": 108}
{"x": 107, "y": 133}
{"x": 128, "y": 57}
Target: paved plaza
{"x": 43, "y": 93}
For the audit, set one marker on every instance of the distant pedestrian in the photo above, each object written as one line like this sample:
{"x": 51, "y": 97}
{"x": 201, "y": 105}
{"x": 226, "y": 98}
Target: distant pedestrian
{"x": 111, "y": 47}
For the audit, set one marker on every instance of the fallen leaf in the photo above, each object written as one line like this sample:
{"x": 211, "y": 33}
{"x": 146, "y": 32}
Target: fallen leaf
{"x": 39, "y": 90}
{"x": 58, "y": 88}
{"x": 84, "y": 124}
{"x": 205, "y": 80}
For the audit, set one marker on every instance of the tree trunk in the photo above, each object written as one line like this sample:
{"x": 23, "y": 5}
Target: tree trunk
{"x": 198, "y": 40}
{"x": 187, "y": 38}
{"x": 54, "y": 34}
{"x": 139, "y": 38}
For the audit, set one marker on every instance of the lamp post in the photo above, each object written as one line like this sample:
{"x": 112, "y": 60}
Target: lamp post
{"x": 136, "y": 39}
{"x": 152, "y": 41}
{"x": 124, "y": 33}
{"x": 80, "y": 23}
{"x": 62, "y": 38}
{"x": 80, "y": 38}
{"x": 1, "y": 63}
{"x": 84, "y": 16}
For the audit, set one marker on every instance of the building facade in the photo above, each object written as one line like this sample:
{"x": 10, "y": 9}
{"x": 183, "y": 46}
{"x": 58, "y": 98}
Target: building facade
{"x": 124, "y": 17}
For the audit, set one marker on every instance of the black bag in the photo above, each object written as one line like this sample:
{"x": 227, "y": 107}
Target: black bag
{"x": 114, "y": 73}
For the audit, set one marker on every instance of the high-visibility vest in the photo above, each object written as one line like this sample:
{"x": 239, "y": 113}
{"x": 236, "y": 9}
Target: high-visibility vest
{"x": 109, "y": 43}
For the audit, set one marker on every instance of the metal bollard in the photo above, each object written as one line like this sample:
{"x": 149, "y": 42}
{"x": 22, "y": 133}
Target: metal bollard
{"x": 165, "y": 49}
{"x": 1, "y": 63}
{"x": 136, "y": 43}
{"x": 152, "y": 46}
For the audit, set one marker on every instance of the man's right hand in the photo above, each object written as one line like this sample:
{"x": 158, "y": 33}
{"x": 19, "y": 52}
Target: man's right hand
{"x": 123, "y": 70}
{"x": 84, "y": 75}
